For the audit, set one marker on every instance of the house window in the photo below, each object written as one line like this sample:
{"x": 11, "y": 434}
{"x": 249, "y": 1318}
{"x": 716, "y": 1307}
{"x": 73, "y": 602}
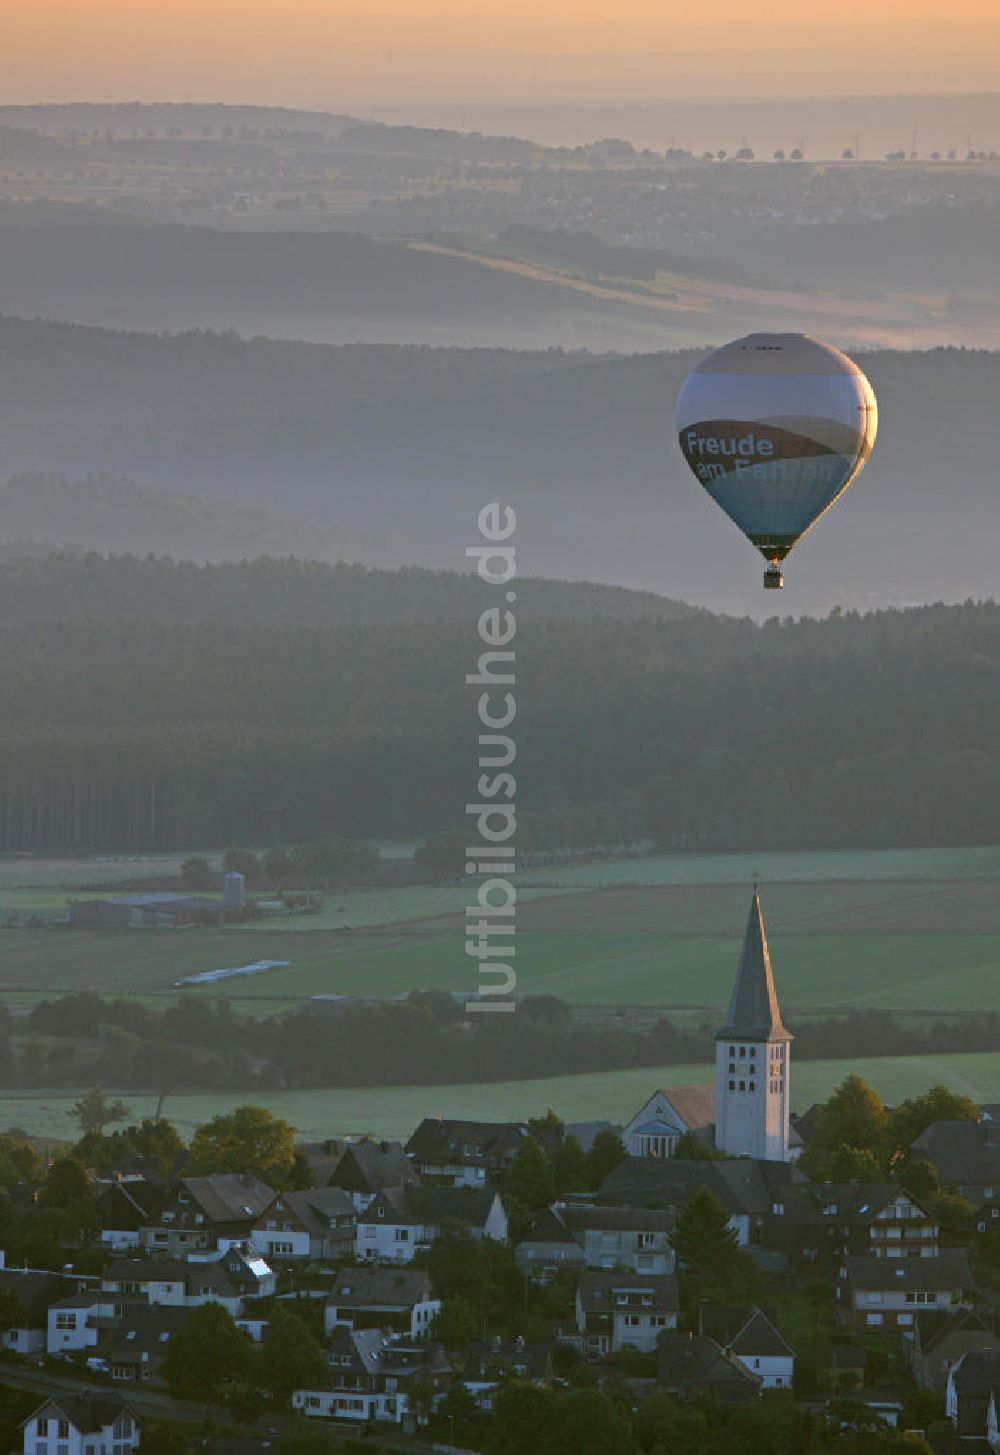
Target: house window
{"x": 743, "y": 1086}
{"x": 631, "y": 1321}
{"x": 732, "y": 1086}
{"x": 65, "y": 1321}
{"x": 874, "y": 1321}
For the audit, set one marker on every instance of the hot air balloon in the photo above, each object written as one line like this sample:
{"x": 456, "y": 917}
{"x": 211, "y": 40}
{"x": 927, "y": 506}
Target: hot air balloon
{"x": 776, "y": 426}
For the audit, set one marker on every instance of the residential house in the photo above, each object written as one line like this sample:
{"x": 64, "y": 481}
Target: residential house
{"x": 939, "y": 1340}
{"x": 668, "y": 1115}
{"x": 624, "y": 1310}
{"x": 138, "y": 1344}
{"x": 396, "y": 1300}
{"x": 451, "y": 1153}
{"x": 886, "y": 1293}
{"x": 228, "y": 1278}
{"x": 74, "y": 1323}
{"x": 317, "y": 1224}
{"x": 569, "y": 1235}
{"x": 489, "y": 1362}
{"x": 753, "y": 1192}
{"x": 400, "y": 1220}
{"x": 689, "y": 1364}
{"x": 125, "y": 1206}
{"x": 364, "y": 1167}
{"x": 877, "y": 1219}
{"x": 965, "y": 1155}
{"x": 752, "y": 1334}
{"x": 81, "y": 1424}
{"x": 206, "y": 1212}
{"x": 972, "y": 1398}
{"x": 987, "y": 1219}
{"x": 33, "y": 1291}
{"x": 372, "y": 1377}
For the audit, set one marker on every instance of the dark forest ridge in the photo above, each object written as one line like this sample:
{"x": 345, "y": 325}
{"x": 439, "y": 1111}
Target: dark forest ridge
{"x": 151, "y": 734}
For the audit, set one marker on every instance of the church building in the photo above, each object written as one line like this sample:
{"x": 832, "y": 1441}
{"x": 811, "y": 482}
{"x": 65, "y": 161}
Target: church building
{"x": 750, "y": 1099}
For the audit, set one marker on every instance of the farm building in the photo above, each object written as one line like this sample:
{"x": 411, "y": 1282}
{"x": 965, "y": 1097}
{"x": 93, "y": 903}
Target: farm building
{"x": 140, "y": 911}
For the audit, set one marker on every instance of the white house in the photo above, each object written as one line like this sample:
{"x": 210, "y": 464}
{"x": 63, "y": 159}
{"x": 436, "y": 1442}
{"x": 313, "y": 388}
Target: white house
{"x": 624, "y": 1310}
{"x": 74, "y": 1424}
{"x": 400, "y": 1220}
{"x": 73, "y": 1322}
{"x": 754, "y": 1338}
{"x": 400, "y": 1301}
{"x": 886, "y": 1293}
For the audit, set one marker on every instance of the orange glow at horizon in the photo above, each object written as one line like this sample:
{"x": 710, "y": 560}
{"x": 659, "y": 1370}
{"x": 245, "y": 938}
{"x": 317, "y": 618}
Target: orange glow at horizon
{"x": 330, "y": 54}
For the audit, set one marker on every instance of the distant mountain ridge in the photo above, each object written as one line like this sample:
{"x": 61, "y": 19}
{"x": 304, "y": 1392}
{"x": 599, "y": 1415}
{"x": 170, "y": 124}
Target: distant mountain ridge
{"x": 42, "y": 513}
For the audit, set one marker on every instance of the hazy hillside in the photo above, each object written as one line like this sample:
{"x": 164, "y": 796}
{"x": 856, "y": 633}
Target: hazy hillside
{"x": 399, "y": 448}
{"x": 103, "y": 513}
{"x": 269, "y": 592}
{"x": 331, "y": 287}
{"x": 128, "y": 117}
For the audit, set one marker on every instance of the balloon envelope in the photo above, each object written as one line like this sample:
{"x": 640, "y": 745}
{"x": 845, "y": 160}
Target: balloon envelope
{"x": 775, "y": 427}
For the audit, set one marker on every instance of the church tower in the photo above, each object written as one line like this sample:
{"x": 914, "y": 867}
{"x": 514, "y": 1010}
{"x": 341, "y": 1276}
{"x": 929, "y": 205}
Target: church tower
{"x": 752, "y": 1053}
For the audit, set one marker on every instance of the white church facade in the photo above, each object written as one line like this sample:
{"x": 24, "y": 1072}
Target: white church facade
{"x": 746, "y": 1113}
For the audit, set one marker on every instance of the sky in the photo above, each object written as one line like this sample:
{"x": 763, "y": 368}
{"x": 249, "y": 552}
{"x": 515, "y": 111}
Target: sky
{"x": 375, "y": 54}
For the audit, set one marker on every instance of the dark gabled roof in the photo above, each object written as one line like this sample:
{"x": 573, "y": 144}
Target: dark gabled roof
{"x": 315, "y": 1207}
{"x": 229, "y": 1197}
{"x": 441, "y": 1139}
{"x": 749, "y": 1331}
{"x": 145, "y": 1328}
{"x": 689, "y": 1360}
{"x": 742, "y": 1184}
{"x": 601, "y": 1291}
{"x": 960, "y": 1152}
{"x": 366, "y": 1166}
{"x": 35, "y": 1291}
{"x": 552, "y": 1226}
{"x": 607, "y": 1218}
{"x": 936, "y": 1327}
{"x": 978, "y": 1372}
{"x": 528, "y": 1361}
{"x": 212, "y": 1273}
{"x": 88, "y": 1413}
{"x": 947, "y": 1271}
{"x": 430, "y": 1206}
{"x": 385, "y": 1288}
{"x": 139, "y": 1194}
{"x": 859, "y": 1203}
{"x": 753, "y": 1009}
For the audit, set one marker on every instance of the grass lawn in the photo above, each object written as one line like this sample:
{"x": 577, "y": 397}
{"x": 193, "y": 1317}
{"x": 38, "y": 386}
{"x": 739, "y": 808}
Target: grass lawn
{"x": 613, "y": 1096}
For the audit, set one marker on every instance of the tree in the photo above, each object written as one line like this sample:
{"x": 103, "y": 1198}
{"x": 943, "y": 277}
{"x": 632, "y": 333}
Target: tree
{"x": 247, "y": 1139}
{"x": 606, "y": 1151}
{"x": 690, "y": 1148}
{"x": 164, "y": 1438}
{"x": 196, "y": 873}
{"x": 524, "y": 1418}
{"x": 954, "y": 1215}
{"x": 94, "y": 1112}
{"x": 443, "y": 855}
{"x": 206, "y": 1351}
{"x": 456, "y": 1325}
{"x": 913, "y": 1116}
{"x": 569, "y": 1167}
{"x": 589, "y": 1424}
{"x": 702, "y": 1238}
{"x": 66, "y": 1184}
{"x": 852, "y": 1164}
{"x": 853, "y": 1116}
{"x": 529, "y": 1177}
{"x": 291, "y": 1357}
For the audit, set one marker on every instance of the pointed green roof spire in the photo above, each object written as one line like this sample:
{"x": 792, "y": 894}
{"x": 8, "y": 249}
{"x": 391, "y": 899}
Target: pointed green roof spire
{"x": 753, "y": 1010}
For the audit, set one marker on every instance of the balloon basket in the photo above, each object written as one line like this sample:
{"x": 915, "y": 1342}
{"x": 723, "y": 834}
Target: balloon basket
{"x": 773, "y": 579}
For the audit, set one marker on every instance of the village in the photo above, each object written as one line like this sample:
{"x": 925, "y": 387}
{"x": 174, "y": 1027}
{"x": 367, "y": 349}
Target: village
{"x": 714, "y": 1261}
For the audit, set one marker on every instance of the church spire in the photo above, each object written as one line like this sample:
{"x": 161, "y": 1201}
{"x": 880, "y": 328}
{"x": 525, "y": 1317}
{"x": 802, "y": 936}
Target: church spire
{"x": 753, "y": 1010}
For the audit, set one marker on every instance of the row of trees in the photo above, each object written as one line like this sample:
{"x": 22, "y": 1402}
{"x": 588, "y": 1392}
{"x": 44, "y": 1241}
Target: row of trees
{"x": 201, "y": 1043}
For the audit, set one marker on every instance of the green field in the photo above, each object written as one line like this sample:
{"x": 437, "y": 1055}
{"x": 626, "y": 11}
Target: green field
{"x": 612, "y": 1096}
{"x": 915, "y": 930}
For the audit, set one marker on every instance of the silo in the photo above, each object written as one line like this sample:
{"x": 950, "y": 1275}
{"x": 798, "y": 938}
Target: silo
{"x": 234, "y": 887}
